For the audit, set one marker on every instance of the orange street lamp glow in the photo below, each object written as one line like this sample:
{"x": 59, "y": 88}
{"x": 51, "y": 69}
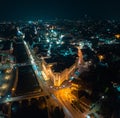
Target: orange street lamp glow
{"x": 117, "y": 36}
{"x": 101, "y": 57}
{"x": 13, "y": 89}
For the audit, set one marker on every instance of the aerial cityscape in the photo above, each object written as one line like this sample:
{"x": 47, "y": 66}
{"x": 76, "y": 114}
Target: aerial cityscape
{"x": 60, "y": 69}
{"x": 59, "y": 59}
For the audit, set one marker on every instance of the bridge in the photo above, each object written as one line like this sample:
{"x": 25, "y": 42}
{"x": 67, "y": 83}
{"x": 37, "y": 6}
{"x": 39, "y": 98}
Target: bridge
{"x": 23, "y": 97}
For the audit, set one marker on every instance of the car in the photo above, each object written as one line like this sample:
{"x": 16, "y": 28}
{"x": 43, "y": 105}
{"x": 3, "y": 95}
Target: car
{"x": 51, "y": 86}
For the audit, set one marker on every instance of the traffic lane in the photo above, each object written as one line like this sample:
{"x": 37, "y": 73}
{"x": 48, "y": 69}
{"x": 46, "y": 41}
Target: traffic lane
{"x": 67, "y": 104}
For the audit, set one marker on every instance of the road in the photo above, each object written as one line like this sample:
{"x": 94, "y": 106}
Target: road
{"x": 27, "y": 96}
{"x": 42, "y": 82}
{"x": 65, "y": 98}
{"x": 69, "y": 111}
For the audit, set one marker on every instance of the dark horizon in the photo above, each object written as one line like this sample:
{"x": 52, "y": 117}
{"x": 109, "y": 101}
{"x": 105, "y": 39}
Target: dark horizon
{"x": 61, "y": 9}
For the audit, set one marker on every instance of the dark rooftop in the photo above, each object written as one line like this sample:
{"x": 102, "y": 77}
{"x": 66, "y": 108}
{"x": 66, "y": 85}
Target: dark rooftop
{"x": 21, "y": 54}
{"x": 27, "y": 81}
{"x": 61, "y": 62}
{"x": 5, "y": 45}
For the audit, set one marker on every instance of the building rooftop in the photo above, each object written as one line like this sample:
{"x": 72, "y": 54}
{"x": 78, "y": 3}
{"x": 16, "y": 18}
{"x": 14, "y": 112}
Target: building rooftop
{"x": 5, "y": 45}
{"x": 61, "y": 62}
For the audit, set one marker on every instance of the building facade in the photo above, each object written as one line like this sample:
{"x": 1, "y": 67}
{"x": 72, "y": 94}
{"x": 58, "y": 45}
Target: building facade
{"x": 59, "y": 77}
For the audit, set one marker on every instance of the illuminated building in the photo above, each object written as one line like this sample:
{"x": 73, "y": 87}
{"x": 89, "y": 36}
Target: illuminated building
{"x": 58, "y": 77}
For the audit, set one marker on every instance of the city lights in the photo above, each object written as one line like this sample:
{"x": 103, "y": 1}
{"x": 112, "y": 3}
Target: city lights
{"x": 7, "y": 77}
{"x": 68, "y": 67}
{"x": 4, "y": 86}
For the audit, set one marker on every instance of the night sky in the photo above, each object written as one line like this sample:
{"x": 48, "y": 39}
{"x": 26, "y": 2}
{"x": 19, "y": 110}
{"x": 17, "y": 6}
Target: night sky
{"x": 51, "y": 9}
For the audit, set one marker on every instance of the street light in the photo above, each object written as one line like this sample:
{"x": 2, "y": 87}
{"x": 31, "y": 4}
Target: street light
{"x": 4, "y": 86}
{"x": 13, "y": 89}
{"x": 7, "y": 77}
{"x": 8, "y": 70}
